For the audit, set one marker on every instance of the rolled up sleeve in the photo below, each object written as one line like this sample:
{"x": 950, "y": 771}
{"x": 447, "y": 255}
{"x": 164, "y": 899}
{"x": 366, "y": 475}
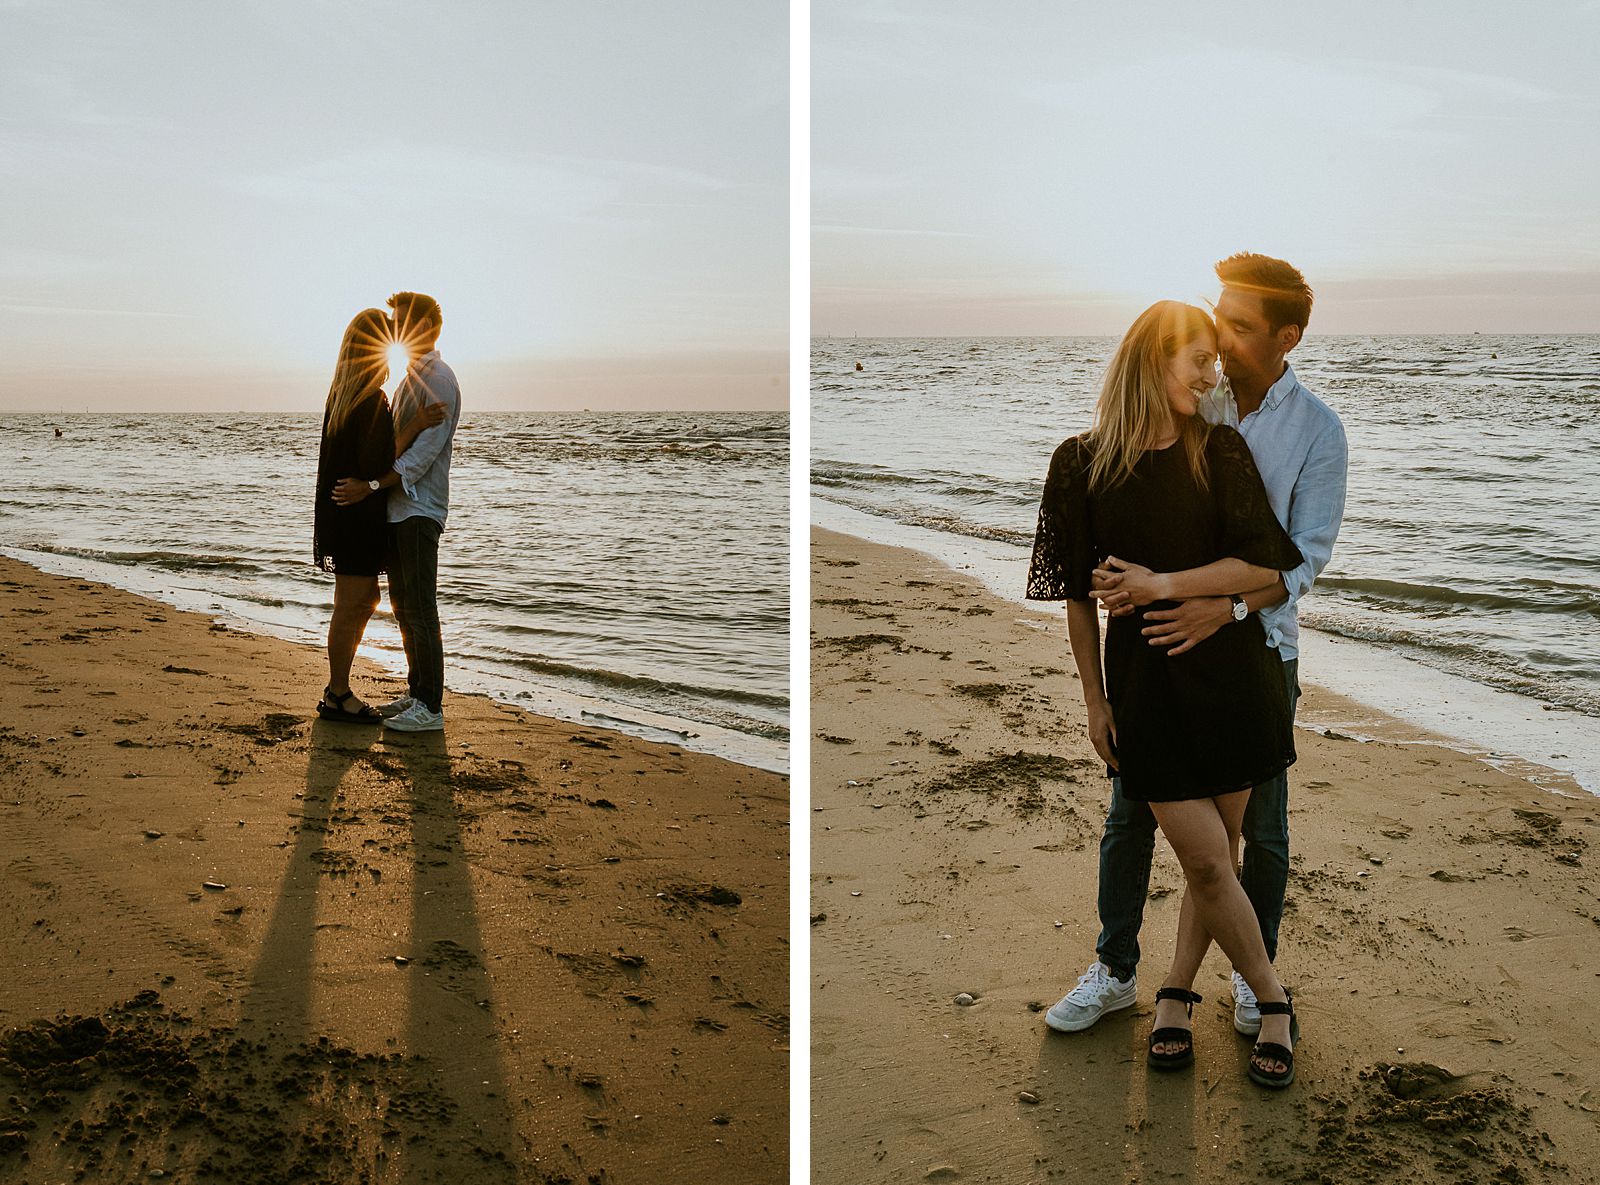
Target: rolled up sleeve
{"x": 417, "y": 459}
{"x": 1317, "y": 509}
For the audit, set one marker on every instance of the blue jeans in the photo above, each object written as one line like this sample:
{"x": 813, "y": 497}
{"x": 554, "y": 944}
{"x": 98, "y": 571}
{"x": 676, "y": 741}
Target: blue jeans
{"x": 414, "y": 597}
{"x": 1129, "y": 843}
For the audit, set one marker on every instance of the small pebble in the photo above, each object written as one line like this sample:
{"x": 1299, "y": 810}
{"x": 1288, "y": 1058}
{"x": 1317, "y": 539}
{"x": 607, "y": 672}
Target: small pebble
{"x": 1377, "y": 860}
{"x": 1027, "y": 1096}
{"x": 401, "y": 960}
{"x": 214, "y": 886}
{"x": 966, "y": 998}
{"x": 855, "y": 892}
{"x": 153, "y": 834}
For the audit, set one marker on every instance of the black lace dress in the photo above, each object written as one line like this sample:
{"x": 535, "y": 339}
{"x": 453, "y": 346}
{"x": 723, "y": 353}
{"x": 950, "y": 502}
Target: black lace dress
{"x": 1216, "y": 718}
{"x": 353, "y": 540}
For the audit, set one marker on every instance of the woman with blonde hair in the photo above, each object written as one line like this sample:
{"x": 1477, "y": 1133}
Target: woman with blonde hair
{"x": 1176, "y": 509}
{"x": 358, "y": 439}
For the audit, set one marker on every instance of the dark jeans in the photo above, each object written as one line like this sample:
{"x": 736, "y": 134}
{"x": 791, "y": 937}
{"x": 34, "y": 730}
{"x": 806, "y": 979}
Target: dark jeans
{"x": 414, "y": 596}
{"x": 1130, "y": 841}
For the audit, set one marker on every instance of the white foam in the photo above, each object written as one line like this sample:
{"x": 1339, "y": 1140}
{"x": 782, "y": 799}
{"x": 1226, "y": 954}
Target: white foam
{"x": 1509, "y": 731}
{"x": 382, "y": 646}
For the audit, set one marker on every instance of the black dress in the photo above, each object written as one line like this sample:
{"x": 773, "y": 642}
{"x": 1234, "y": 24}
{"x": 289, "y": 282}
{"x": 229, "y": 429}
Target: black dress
{"x": 1216, "y": 718}
{"x": 353, "y": 540}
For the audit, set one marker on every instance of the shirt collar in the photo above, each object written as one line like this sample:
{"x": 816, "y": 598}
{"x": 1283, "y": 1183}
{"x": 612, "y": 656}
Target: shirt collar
{"x": 421, "y": 361}
{"x": 1280, "y": 390}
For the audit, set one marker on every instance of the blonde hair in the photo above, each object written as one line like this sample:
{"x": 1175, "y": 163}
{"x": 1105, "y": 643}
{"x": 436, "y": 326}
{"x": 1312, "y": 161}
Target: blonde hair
{"x": 363, "y": 365}
{"x": 1133, "y": 411}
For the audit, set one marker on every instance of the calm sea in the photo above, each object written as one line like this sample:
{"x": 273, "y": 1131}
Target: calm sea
{"x": 629, "y": 570}
{"x": 1469, "y": 543}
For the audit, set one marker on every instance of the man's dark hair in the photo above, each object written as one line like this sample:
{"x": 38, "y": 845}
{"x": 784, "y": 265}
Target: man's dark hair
{"x": 413, "y": 310}
{"x": 1285, "y": 295}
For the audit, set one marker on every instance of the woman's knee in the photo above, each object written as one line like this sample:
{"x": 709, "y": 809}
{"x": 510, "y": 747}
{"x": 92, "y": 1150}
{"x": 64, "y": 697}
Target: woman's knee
{"x": 1208, "y": 871}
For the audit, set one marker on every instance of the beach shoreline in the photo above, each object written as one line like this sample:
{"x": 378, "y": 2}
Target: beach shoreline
{"x": 757, "y": 752}
{"x": 248, "y": 942}
{"x": 1379, "y": 694}
{"x": 1439, "y": 931}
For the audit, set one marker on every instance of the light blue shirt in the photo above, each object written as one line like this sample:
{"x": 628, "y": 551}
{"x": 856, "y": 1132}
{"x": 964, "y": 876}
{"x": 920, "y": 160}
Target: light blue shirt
{"x": 1299, "y": 446}
{"x": 424, "y": 468}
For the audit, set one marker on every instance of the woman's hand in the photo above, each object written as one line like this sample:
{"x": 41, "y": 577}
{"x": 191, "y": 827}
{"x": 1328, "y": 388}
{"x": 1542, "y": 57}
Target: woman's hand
{"x": 432, "y": 414}
{"x": 349, "y": 491}
{"x": 1118, "y": 583}
{"x": 1103, "y": 733}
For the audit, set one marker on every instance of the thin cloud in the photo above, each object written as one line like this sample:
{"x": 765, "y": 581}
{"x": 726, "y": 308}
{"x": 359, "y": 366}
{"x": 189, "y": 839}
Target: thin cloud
{"x": 837, "y": 228}
{"x": 72, "y": 311}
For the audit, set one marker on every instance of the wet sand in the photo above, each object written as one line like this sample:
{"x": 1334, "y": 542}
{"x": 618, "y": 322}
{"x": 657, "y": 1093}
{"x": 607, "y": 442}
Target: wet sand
{"x": 1441, "y": 934}
{"x": 243, "y": 944}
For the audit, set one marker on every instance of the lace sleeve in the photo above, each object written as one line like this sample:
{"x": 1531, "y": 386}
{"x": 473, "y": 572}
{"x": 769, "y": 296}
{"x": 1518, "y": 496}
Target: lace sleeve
{"x": 1063, "y": 552}
{"x": 1250, "y": 531}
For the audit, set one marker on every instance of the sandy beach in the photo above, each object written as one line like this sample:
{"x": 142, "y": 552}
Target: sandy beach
{"x": 1441, "y": 934}
{"x": 246, "y": 945}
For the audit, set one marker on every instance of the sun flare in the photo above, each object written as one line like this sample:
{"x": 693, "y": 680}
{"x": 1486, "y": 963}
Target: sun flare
{"x": 399, "y": 357}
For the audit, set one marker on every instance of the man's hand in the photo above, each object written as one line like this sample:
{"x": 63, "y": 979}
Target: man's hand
{"x": 350, "y": 490}
{"x": 1191, "y": 623}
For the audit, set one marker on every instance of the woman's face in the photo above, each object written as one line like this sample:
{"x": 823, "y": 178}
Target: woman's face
{"x": 1191, "y": 372}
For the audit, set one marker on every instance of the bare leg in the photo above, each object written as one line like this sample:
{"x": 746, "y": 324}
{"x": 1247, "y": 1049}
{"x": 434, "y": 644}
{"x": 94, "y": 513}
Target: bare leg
{"x": 1194, "y": 940}
{"x": 1200, "y": 838}
{"x": 354, "y": 599}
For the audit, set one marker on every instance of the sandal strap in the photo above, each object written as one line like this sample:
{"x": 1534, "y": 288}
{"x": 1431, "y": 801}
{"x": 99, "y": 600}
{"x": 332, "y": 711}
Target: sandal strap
{"x": 1169, "y": 1034}
{"x": 1275, "y": 1008}
{"x": 337, "y": 700}
{"x": 1271, "y": 1051}
{"x": 1183, "y": 994}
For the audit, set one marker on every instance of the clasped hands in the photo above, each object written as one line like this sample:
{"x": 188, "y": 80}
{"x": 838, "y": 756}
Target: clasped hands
{"x": 347, "y": 491}
{"x": 1122, "y": 587}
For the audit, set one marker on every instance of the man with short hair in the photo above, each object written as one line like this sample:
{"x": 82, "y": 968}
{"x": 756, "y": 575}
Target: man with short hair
{"x": 419, "y": 500}
{"x": 1299, "y": 446}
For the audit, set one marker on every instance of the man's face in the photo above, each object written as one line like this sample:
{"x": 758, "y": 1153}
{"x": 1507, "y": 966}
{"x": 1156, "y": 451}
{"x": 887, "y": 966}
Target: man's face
{"x": 1250, "y": 349}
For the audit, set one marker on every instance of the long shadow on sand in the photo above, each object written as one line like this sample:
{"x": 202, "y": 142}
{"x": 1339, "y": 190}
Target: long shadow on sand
{"x": 439, "y": 1111}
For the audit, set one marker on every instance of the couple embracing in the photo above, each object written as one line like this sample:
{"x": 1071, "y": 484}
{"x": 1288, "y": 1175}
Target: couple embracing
{"x": 383, "y": 493}
{"x": 1198, "y": 512}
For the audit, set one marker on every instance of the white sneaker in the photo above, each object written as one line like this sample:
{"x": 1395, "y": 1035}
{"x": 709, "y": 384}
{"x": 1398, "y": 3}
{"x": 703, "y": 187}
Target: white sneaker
{"x": 416, "y": 718}
{"x": 395, "y": 706}
{"x": 1097, "y": 993}
{"x": 1246, "y": 1015}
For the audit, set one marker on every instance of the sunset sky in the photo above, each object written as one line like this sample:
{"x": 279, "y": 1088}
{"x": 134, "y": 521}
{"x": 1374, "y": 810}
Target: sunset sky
{"x": 1023, "y": 168}
{"x": 195, "y": 199}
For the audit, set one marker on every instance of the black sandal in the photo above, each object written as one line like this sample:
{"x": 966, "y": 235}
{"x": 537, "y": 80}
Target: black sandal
{"x": 1272, "y": 1051}
{"x": 331, "y": 707}
{"x": 1171, "y": 1034}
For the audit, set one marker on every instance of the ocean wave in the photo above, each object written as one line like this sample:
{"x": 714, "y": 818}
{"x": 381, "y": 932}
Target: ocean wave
{"x": 1536, "y": 596}
{"x": 175, "y": 561}
{"x": 618, "y": 681}
{"x": 1458, "y": 655}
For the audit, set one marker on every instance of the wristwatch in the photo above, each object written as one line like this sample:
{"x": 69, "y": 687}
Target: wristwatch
{"x": 374, "y": 485}
{"x": 1240, "y": 609}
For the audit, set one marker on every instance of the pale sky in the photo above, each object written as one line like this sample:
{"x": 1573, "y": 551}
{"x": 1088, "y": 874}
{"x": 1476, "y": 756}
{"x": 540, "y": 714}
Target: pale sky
{"x": 196, "y": 198}
{"x": 1033, "y": 168}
